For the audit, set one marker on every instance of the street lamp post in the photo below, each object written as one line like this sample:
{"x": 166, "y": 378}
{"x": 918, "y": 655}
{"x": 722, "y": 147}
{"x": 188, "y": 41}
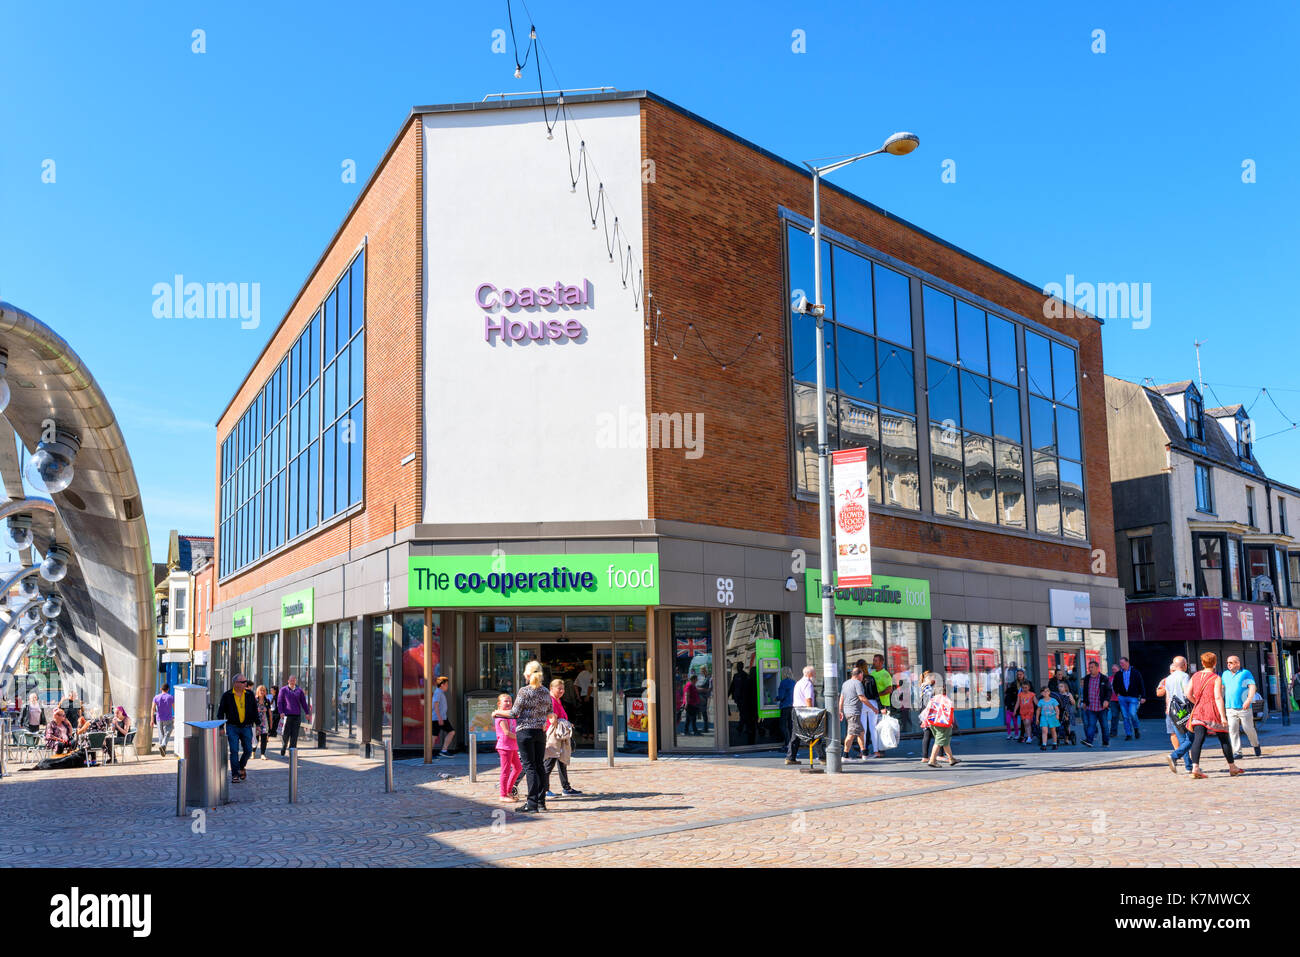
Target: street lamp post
{"x": 900, "y": 144}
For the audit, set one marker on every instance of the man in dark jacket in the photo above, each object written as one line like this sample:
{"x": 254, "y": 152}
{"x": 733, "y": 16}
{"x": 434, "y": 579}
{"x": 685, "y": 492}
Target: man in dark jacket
{"x": 239, "y": 709}
{"x": 1094, "y": 700}
{"x": 1131, "y": 691}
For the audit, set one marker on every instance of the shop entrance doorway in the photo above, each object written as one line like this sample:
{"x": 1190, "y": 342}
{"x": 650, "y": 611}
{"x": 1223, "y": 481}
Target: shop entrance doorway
{"x": 574, "y": 664}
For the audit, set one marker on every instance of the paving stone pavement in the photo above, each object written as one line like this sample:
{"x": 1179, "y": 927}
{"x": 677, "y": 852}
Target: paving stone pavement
{"x": 1082, "y": 808}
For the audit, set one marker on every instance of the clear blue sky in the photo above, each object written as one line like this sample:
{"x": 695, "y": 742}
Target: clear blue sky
{"x": 225, "y": 166}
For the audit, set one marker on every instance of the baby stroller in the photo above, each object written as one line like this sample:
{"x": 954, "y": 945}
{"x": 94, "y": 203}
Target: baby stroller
{"x": 1067, "y": 733}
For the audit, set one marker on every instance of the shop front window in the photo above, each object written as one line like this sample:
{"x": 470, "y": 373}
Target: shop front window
{"x": 741, "y": 634}
{"x": 413, "y": 689}
{"x": 338, "y": 704}
{"x": 268, "y": 659}
{"x": 496, "y": 667}
{"x": 299, "y": 660}
{"x": 381, "y": 676}
{"x": 1097, "y": 647}
{"x": 692, "y": 647}
{"x": 956, "y": 669}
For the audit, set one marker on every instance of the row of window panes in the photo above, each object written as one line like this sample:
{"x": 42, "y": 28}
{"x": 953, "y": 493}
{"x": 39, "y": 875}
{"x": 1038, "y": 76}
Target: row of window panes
{"x": 967, "y": 392}
{"x": 889, "y": 437}
{"x": 858, "y": 293}
{"x": 963, "y": 334}
{"x": 557, "y": 624}
{"x": 980, "y": 662}
{"x": 263, "y": 500}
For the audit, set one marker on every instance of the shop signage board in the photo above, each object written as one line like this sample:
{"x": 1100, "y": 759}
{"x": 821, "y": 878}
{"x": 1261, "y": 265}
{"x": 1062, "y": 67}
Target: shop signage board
{"x": 1070, "y": 609}
{"x": 852, "y": 521}
{"x": 887, "y": 597}
{"x": 528, "y": 581}
{"x": 241, "y": 622}
{"x": 638, "y": 719}
{"x": 1197, "y": 619}
{"x": 296, "y": 609}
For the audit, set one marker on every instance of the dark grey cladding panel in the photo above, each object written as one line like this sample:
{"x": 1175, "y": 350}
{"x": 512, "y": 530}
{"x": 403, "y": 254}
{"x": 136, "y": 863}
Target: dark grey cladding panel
{"x": 681, "y": 555}
{"x": 724, "y": 559}
{"x": 681, "y": 588}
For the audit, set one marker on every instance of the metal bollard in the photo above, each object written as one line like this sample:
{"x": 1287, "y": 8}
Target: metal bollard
{"x": 388, "y": 765}
{"x": 473, "y": 759}
{"x": 293, "y": 775}
{"x": 4, "y": 744}
{"x": 180, "y": 788}
{"x": 609, "y": 743}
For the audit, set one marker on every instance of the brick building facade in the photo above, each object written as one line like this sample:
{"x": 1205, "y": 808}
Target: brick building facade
{"x": 496, "y": 441}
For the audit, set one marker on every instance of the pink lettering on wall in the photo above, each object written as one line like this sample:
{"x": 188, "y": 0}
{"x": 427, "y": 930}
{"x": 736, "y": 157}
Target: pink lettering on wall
{"x": 492, "y": 299}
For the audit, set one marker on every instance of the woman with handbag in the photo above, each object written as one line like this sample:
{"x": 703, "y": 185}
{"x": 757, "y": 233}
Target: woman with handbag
{"x": 927, "y": 736}
{"x": 1174, "y": 690}
{"x": 1208, "y": 715}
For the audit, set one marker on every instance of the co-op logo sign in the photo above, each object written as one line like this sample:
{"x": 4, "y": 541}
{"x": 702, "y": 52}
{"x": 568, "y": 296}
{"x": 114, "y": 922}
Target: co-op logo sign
{"x": 510, "y": 314}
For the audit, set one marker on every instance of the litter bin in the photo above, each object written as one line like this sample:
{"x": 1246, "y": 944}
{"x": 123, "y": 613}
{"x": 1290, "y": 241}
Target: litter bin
{"x": 207, "y": 764}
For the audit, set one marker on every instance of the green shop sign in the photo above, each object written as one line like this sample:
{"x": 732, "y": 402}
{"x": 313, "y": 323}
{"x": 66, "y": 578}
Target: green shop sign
{"x": 885, "y": 598}
{"x": 486, "y": 581}
{"x": 296, "y": 610}
{"x": 241, "y": 622}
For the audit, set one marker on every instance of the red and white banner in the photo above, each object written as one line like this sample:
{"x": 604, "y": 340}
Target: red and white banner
{"x": 852, "y": 521}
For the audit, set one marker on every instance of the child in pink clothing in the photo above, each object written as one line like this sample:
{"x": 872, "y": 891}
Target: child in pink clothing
{"x": 507, "y": 748}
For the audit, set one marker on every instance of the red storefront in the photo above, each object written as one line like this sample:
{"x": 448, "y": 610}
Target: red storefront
{"x": 1160, "y": 628}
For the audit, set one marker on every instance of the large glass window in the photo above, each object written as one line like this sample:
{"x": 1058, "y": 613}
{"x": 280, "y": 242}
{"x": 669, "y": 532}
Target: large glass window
{"x": 980, "y": 663}
{"x": 692, "y": 646}
{"x": 413, "y": 689}
{"x": 1051, "y": 371}
{"x": 294, "y": 458}
{"x": 741, "y": 633}
{"x": 338, "y": 701}
{"x": 972, "y": 399}
{"x": 869, "y": 372}
{"x": 268, "y": 659}
{"x": 972, "y": 395}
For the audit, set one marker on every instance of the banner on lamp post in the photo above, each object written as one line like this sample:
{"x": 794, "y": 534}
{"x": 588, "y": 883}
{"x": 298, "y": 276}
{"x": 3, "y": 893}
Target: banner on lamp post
{"x": 852, "y": 521}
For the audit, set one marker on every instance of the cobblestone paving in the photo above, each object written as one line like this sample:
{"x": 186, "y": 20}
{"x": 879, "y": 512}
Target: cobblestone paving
{"x": 671, "y": 813}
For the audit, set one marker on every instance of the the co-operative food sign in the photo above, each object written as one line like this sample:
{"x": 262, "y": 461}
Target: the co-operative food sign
{"x": 496, "y": 581}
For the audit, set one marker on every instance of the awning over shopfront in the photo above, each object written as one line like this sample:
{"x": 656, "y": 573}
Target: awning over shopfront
{"x": 1198, "y": 619}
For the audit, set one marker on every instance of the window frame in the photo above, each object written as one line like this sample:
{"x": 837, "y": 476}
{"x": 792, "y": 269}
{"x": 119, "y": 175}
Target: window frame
{"x": 1149, "y": 564}
{"x": 1203, "y": 469}
{"x": 789, "y": 221}
{"x": 254, "y": 521}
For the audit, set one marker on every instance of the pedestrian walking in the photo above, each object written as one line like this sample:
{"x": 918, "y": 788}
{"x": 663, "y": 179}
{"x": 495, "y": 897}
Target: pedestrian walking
{"x": 1130, "y": 691}
{"x": 1174, "y": 688}
{"x": 871, "y": 713}
{"x": 1112, "y": 706}
{"x": 928, "y": 679}
{"x": 293, "y": 706}
{"x": 238, "y": 708}
{"x": 32, "y": 715}
{"x": 1239, "y": 700}
{"x": 1094, "y": 701}
{"x": 275, "y": 710}
{"x": 703, "y": 692}
{"x": 557, "y": 755}
{"x": 1011, "y": 707}
{"x": 532, "y": 712}
{"x": 940, "y": 716}
{"x": 1026, "y": 704}
{"x": 805, "y": 696}
{"x": 164, "y": 717}
{"x": 507, "y": 750}
{"x": 853, "y": 700}
{"x": 263, "y": 721}
{"x": 442, "y": 727}
{"x": 1048, "y": 717}
{"x": 785, "y": 695}
{"x": 1208, "y": 715}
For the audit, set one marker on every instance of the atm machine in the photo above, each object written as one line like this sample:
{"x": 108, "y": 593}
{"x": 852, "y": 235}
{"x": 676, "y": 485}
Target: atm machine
{"x": 767, "y": 667}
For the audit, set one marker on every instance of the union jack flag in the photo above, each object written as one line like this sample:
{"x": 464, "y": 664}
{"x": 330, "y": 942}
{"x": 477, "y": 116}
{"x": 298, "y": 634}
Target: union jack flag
{"x": 690, "y": 647}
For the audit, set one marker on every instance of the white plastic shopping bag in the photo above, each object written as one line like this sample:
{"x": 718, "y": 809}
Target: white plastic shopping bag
{"x": 887, "y": 730}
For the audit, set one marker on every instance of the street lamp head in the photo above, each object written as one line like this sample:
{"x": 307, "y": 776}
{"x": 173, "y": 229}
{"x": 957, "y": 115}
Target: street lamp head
{"x": 900, "y": 144}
